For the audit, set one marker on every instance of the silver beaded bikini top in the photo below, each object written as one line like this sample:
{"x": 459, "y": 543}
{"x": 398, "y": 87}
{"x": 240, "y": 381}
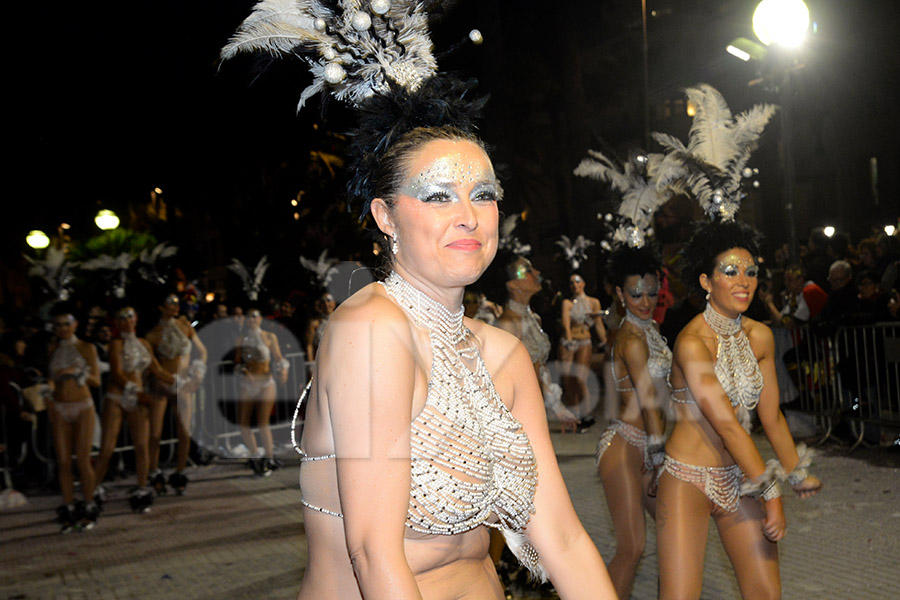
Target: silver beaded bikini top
{"x": 253, "y": 348}
{"x": 471, "y": 460}
{"x": 67, "y": 356}
{"x": 736, "y": 366}
{"x": 581, "y": 311}
{"x": 174, "y": 342}
{"x": 535, "y": 340}
{"x": 135, "y": 356}
{"x": 659, "y": 361}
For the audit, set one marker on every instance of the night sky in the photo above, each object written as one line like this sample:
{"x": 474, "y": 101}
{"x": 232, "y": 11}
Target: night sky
{"x": 113, "y": 99}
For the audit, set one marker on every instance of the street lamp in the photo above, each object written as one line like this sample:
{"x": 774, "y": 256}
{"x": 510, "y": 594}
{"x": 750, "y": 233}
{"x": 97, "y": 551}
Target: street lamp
{"x": 37, "y": 239}
{"x": 782, "y": 25}
{"x": 106, "y": 220}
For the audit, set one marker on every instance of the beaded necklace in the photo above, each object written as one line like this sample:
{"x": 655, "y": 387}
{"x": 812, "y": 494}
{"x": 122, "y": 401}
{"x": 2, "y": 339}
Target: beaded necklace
{"x": 536, "y": 341}
{"x": 135, "y": 356}
{"x": 471, "y": 459}
{"x": 736, "y": 366}
{"x": 659, "y": 361}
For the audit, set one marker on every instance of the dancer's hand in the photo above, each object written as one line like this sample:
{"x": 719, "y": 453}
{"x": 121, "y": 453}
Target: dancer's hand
{"x": 808, "y": 488}
{"x": 775, "y": 526}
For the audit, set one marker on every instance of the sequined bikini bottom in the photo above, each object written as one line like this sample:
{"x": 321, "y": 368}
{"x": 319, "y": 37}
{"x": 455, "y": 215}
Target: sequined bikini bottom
{"x": 722, "y": 485}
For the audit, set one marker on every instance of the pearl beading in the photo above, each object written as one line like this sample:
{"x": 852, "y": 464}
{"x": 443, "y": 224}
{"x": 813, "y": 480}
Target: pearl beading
{"x": 135, "y": 356}
{"x": 535, "y": 340}
{"x": 471, "y": 459}
{"x": 659, "y": 361}
{"x": 736, "y": 366}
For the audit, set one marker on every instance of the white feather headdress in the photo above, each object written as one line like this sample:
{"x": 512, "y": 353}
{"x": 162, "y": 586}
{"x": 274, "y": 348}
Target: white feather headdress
{"x": 55, "y": 270}
{"x": 719, "y": 146}
{"x": 252, "y": 282}
{"x": 353, "y": 47}
{"x": 117, "y": 267}
{"x": 636, "y": 182}
{"x": 510, "y": 242}
{"x": 575, "y": 252}
{"x": 324, "y": 268}
{"x": 149, "y": 267}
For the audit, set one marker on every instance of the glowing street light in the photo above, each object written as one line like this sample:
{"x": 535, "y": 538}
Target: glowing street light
{"x": 106, "y": 220}
{"x": 37, "y": 239}
{"x": 828, "y": 231}
{"x": 889, "y": 230}
{"x": 781, "y": 22}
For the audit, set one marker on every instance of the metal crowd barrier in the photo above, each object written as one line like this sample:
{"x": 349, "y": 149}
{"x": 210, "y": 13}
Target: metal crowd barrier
{"x": 869, "y": 370}
{"x": 851, "y": 375}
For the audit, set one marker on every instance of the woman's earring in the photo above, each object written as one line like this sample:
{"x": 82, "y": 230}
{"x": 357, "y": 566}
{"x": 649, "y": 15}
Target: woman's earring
{"x": 395, "y": 247}
{"x": 707, "y": 293}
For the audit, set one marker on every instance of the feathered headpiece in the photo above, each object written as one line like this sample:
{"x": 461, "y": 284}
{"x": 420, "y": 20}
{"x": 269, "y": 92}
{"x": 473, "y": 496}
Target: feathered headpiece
{"x": 510, "y": 242}
{"x": 117, "y": 268}
{"x": 55, "y": 270}
{"x": 714, "y": 161}
{"x": 252, "y": 282}
{"x": 149, "y": 267}
{"x": 375, "y": 55}
{"x": 324, "y": 268}
{"x": 575, "y": 252}
{"x": 636, "y": 182}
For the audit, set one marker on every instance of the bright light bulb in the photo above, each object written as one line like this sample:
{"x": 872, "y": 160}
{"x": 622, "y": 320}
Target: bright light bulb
{"x": 828, "y": 231}
{"x": 106, "y": 220}
{"x": 781, "y": 22}
{"x": 37, "y": 239}
{"x": 889, "y": 230}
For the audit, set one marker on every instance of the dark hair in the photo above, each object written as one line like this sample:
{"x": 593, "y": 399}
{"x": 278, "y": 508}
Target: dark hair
{"x": 626, "y": 261}
{"x": 708, "y": 241}
{"x": 386, "y": 120}
{"x": 867, "y": 274}
{"x": 492, "y": 282}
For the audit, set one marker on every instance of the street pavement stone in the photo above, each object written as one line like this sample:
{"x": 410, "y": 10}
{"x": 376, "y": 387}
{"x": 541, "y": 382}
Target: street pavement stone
{"x": 234, "y": 536}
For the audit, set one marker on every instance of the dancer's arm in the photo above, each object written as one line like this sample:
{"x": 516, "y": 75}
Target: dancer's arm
{"x": 567, "y": 552}
{"x": 369, "y": 369}
{"x": 635, "y": 355}
{"x": 769, "y": 411}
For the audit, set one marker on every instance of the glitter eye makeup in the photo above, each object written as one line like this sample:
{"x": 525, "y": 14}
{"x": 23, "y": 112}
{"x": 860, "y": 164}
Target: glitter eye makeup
{"x": 642, "y": 287}
{"x": 128, "y": 313}
{"x": 439, "y": 182}
{"x": 732, "y": 265}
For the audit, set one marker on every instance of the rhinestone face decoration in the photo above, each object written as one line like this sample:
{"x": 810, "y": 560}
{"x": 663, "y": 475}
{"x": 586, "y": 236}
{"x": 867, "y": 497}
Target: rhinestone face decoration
{"x": 445, "y": 173}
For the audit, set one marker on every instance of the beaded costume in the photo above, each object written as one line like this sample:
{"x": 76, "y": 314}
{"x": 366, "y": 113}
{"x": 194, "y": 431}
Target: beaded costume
{"x": 659, "y": 365}
{"x": 67, "y": 356}
{"x": 173, "y": 342}
{"x": 538, "y": 344}
{"x": 472, "y": 463}
{"x": 135, "y": 359}
{"x": 738, "y": 372}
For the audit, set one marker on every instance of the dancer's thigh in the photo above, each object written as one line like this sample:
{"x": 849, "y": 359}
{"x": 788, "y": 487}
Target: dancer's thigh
{"x": 620, "y": 471}
{"x": 682, "y": 527}
{"x": 755, "y": 559}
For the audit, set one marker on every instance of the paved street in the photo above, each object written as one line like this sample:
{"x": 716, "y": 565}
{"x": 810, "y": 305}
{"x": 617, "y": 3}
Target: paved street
{"x": 234, "y": 536}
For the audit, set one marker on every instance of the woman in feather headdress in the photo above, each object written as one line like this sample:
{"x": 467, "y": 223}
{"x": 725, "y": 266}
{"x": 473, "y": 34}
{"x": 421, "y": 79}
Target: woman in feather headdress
{"x": 73, "y": 370}
{"x": 723, "y": 368}
{"x": 180, "y": 352}
{"x": 424, "y": 429}
{"x": 631, "y": 448}
{"x": 582, "y": 317}
{"x": 259, "y": 356}
{"x": 131, "y": 362}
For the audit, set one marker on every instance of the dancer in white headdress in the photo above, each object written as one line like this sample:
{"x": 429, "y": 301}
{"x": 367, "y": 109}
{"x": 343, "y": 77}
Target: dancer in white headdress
{"x": 424, "y": 429}
{"x": 723, "y": 368}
